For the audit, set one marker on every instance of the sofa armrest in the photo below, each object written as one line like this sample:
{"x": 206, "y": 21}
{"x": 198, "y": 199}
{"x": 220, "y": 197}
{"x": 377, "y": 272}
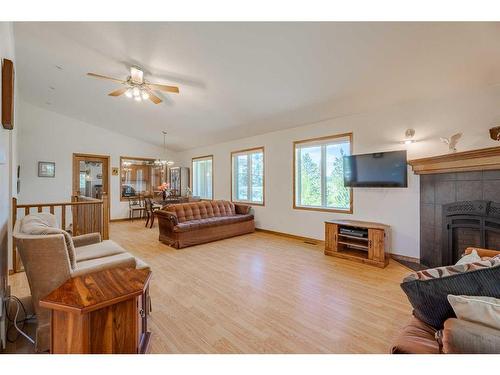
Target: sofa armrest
{"x": 464, "y": 337}
{"x": 482, "y": 252}
{"x": 242, "y": 209}
{"x": 168, "y": 215}
{"x": 86, "y": 239}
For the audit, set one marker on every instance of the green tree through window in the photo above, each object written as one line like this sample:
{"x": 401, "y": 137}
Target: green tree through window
{"x": 248, "y": 176}
{"x": 319, "y": 175}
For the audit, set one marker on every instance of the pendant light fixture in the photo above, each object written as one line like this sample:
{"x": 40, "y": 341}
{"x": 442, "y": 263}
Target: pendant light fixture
{"x": 165, "y": 161}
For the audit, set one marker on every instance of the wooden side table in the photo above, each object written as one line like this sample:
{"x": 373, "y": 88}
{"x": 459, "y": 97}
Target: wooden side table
{"x": 101, "y": 313}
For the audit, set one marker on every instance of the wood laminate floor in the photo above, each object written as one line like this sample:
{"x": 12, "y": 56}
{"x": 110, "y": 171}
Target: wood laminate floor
{"x": 262, "y": 293}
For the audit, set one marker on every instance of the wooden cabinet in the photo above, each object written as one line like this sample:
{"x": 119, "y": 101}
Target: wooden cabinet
{"x": 101, "y": 313}
{"x": 331, "y": 237}
{"x": 370, "y": 247}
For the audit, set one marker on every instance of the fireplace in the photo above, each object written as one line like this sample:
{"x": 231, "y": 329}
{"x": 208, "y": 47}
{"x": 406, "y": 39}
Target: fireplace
{"x": 469, "y": 223}
{"x": 468, "y": 203}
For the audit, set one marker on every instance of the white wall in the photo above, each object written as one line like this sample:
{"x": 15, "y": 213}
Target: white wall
{"x": 8, "y": 159}
{"x": 49, "y": 136}
{"x": 472, "y": 113}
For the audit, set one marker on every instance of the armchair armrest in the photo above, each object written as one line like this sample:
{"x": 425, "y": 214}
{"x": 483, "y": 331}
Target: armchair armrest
{"x": 464, "y": 337}
{"x": 482, "y": 252}
{"x": 86, "y": 239}
{"x": 168, "y": 215}
{"x": 123, "y": 260}
{"x": 242, "y": 209}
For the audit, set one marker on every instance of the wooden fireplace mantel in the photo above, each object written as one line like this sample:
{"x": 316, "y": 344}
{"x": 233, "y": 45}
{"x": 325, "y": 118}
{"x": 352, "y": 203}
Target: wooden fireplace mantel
{"x": 475, "y": 160}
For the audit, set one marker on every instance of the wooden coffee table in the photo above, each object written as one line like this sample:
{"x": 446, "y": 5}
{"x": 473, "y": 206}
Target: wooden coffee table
{"x": 101, "y": 313}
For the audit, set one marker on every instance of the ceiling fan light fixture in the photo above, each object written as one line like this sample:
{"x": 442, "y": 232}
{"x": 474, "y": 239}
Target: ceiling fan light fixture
{"x": 136, "y": 75}
{"x": 409, "y": 137}
{"x": 138, "y": 98}
{"x": 136, "y": 92}
{"x": 128, "y": 93}
{"x": 145, "y": 95}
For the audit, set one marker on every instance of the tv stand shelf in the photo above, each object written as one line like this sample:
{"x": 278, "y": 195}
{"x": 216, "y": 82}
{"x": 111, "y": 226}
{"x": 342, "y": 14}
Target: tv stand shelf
{"x": 371, "y": 249}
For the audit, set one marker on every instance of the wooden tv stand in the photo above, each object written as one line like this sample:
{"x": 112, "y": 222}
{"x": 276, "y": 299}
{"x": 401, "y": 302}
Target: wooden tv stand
{"x": 371, "y": 249}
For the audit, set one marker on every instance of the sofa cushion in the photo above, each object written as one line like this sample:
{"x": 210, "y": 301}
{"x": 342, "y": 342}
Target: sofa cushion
{"x": 201, "y": 210}
{"x": 43, "y": 223}
{"x": 191, "y": 225}
{"x": 416, "y": 338}
{"x": 464, "y": 337}
{"x": 98, "y": 250}
{"x": 429, "y": 296}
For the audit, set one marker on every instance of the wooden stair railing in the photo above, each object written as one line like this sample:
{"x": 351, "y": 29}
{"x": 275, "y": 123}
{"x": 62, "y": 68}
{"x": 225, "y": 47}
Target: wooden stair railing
{"x": 88, "y": 216}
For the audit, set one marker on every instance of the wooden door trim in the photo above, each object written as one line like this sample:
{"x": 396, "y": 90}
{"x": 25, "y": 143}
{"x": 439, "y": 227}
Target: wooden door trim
{"x": 91, "y": 156}
{"x": 105, "y": 170}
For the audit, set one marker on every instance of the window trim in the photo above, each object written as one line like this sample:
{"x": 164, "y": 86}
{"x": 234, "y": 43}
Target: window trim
{"x": 294, "y": 179}
{"x": 192, "y": 176}
{"x": 246, "y": 150}
{"x": 126, "y": 199}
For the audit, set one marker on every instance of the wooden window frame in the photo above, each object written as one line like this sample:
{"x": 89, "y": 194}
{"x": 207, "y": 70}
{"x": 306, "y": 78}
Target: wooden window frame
{"x": 192, "y": 175}
{"x": 294, "y": 177}
{"x": 125, "y": 199}
{"x": 247, "y": 150}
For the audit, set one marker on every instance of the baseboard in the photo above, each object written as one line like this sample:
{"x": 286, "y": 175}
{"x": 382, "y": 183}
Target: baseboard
{"x": 405, "y": 258}
{"x": 122, "y": 219}
{"x": 308, "y": 240}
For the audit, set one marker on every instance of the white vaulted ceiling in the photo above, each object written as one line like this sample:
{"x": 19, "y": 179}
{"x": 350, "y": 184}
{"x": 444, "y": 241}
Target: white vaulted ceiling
{"x": 242, "y": 79}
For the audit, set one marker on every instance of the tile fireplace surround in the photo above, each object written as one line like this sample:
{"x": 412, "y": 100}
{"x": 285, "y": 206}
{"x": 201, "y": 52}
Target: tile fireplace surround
{"x": 444, "y": 188}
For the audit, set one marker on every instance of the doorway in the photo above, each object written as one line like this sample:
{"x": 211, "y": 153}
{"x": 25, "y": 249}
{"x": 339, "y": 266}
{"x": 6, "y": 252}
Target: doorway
{"x": 90, "y": 175}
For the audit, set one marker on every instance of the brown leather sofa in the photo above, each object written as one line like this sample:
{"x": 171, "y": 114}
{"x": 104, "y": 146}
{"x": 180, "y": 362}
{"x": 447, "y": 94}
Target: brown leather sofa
{"x": 457, "y": 337}
{"x": 188, "y": 224}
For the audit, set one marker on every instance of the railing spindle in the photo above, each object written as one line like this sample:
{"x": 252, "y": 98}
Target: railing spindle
{"x": 63, "y": 217}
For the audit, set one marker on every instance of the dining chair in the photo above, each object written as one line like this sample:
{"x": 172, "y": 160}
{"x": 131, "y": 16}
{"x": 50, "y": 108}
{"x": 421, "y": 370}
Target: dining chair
{"x": 150, "y": 208}
{"x": 135, "y": 205}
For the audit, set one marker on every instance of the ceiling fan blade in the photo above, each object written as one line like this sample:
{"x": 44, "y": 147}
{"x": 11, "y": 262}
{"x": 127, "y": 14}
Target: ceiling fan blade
{"x": 104, "y": 77}
{"x": 165, "y": 88}
{"x": 118, "y": 92}
{"x": 154, "y": 98}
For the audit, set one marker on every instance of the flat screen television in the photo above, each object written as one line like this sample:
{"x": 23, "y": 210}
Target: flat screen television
{"x": 380, "y": 169}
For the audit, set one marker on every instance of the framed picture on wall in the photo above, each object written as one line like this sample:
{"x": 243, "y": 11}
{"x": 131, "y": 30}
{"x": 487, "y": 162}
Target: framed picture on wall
{"x": 46, "y": 169}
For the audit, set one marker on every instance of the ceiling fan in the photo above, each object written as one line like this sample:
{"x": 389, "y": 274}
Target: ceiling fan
{"x": 137, "y": 87}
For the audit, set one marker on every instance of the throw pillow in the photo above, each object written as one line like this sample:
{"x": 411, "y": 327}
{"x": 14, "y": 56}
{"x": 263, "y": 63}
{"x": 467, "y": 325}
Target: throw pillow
{"x": 433, "y": 273}
{"x": 469, "y": 258}
{"x": 428, "y": 290}
{"x": 477, "y": 309}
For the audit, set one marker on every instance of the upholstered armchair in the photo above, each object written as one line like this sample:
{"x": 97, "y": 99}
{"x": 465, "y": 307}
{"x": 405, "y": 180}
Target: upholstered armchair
{"x": 51, "y": 256}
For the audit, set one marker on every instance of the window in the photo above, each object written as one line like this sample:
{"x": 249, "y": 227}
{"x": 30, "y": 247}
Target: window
{"x": 319, "y": 175}
{"x": 139, "y": 176}
{"x": 203, "y": 177}
{"x": 247, "y": 181}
